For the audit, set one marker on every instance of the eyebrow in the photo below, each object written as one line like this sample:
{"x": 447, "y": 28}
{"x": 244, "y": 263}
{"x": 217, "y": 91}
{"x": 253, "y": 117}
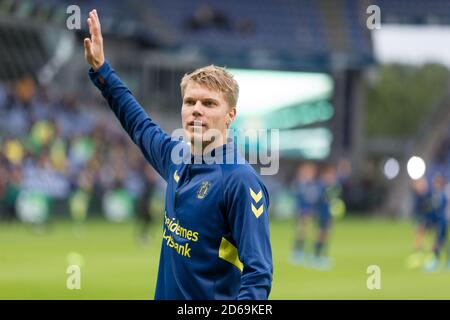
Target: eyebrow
{"x": 203, "y": 100}
{"x": 211, "y": 100}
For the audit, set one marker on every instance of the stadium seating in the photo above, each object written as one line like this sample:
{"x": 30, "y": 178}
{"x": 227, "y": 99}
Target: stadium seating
{"x": 282, "y": 34}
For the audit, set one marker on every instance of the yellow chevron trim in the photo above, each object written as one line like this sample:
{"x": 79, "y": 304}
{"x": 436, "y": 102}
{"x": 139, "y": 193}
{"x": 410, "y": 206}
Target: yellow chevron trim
{"x": 256, "y": 196}
{"x": 176, "y": 177}
{"x": 259, "y": 211}
{"x": 229, "y": 253}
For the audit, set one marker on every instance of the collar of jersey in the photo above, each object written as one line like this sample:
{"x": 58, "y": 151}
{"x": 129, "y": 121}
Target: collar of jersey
{"x": 222, "y": 151}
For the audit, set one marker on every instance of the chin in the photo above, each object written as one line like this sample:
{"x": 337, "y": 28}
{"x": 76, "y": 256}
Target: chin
{"x": 197, "y": 139}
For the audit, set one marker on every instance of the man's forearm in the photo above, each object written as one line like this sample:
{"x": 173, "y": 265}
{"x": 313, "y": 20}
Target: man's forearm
{"x": 119, "y": 97}
{"x": 154, "y": 143}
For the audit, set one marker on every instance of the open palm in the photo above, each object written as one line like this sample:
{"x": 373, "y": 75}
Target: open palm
{"x": 93, "y": 46}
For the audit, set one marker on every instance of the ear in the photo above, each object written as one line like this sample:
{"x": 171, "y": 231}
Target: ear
{"x": 231, "y": 114}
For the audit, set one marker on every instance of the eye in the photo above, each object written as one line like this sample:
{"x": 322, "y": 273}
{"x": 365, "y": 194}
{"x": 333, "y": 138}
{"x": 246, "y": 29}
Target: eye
{"x": 209, "y": 103}
{"x": 189, "y": 102}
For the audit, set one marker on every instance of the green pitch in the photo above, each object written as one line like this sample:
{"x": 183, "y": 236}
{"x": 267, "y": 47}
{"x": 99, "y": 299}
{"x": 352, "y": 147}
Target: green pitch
{"x": 114, "y": 266}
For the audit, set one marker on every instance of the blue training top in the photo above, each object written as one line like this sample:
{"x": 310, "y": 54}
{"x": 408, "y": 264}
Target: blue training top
{"x": 423, "y": 204}
{"x": 216, "y": 242}
{"x": 439, "y": 205}
{"x": 307, "y": 194}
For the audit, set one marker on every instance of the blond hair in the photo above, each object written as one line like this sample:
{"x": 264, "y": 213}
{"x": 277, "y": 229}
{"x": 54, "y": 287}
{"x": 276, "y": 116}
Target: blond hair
{"x": 214, "y": 78}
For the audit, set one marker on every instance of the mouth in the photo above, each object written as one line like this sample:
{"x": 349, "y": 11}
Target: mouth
{"x": 196, "y": 124}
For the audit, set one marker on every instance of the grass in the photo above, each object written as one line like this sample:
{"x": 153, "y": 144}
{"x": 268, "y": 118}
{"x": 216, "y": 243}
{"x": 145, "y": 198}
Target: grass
{"x": 33, "y": 265}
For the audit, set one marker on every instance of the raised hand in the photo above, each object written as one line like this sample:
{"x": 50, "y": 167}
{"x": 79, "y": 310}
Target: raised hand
{"x": 93, "y": 47}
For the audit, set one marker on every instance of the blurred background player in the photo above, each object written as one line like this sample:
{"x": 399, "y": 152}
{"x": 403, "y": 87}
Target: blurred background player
{"x": 447, "y": 216}
{"x": 307, "y": 192}
{"x": 144, "y": 210}
{"x": 423, "y": 213}
{"x": 439, "y": 223}
{"x": 429, "y": 209}
{"x": 330, "y": 191}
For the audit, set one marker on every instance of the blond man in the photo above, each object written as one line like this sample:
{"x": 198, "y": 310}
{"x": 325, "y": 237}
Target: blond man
{"x": 216, "y": 242}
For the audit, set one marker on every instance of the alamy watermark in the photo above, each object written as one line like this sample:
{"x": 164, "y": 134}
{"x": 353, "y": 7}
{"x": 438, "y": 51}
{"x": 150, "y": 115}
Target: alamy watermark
{"x": 73, "y": 270}
{"x": 374, "y": 280}
{"x": 254, "y": 146}
{"x": 74, "y": 279}
{"x": 73, "y": 21}
{"x": 374, "y": 20}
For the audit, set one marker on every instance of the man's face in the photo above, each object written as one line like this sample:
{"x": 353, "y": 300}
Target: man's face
{"x": 203, "y": 110}
{"x": 307, "y": 172}
{"x": 420, "y": 185}
{"x": 438, "y": 182}
{"x": 329, "y": 176}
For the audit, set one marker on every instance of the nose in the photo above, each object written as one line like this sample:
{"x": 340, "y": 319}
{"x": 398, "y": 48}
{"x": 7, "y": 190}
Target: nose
{"x": 197, "y": 109}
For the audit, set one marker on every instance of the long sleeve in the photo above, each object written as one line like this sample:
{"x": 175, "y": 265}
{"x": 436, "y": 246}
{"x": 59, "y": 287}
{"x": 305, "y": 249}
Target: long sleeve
{"x": 154, "y": 143}
{"x": 248, "y": 204}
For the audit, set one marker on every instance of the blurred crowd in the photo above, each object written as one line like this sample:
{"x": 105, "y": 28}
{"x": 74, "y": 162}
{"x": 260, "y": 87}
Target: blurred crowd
{"x": 61, "y": 148}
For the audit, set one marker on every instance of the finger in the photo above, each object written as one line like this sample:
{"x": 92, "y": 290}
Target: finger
{"x": 92, "y": 22}
{"x": 90, "y": 26}
{"x": 91, "y": 15}
{"x": 97, "y": 18}
{"x": 88, "y": 46}
{"x": 95, "y": 24}
{"x": 95, "y": 35}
